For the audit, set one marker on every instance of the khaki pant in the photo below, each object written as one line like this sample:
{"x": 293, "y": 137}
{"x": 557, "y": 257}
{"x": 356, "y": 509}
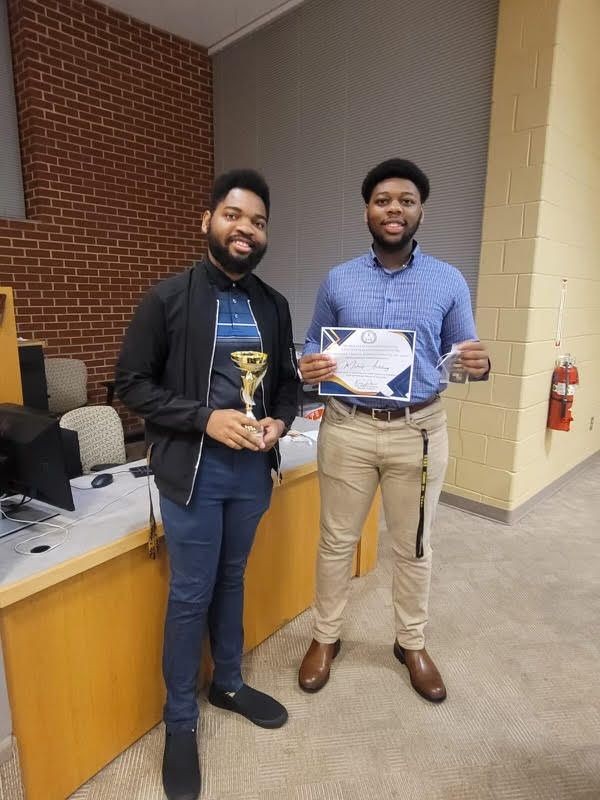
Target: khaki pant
{"x": 356, "y": 454}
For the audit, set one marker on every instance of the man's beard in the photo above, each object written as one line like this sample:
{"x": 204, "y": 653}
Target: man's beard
{"x": 236, "y": 264}
{"x": 392, "y": 247}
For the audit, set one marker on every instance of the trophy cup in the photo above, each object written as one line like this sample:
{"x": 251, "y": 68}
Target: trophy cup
{"x": 253, "y": 365}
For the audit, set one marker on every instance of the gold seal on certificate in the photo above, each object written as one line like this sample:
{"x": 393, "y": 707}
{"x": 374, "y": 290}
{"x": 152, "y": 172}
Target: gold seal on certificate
{"x": 371, "y": 362}
{"x": 253, "y": 365}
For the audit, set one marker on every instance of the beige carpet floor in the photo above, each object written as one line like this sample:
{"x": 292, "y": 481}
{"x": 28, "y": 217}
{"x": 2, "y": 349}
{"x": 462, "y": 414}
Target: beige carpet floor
{"x": 515, "y": 631}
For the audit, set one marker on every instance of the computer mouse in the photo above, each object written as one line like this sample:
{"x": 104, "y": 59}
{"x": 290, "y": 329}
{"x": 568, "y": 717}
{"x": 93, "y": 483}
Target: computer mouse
{"x": 104, "y": 479}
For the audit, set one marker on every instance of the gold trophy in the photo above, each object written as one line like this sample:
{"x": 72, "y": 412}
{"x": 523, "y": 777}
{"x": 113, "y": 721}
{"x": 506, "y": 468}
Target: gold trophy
{"x": 253, "y": 365}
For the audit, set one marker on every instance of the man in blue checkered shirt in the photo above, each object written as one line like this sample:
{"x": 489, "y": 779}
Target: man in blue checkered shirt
{"x": 401, "y": 446}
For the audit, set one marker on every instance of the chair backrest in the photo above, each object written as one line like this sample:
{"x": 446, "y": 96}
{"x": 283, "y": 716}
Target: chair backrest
{"x": 67, "y": 384}
{"x": 100, "y": 433}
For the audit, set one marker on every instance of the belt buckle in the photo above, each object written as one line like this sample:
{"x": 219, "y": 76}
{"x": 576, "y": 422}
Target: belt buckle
{"x": 376, "y": 411}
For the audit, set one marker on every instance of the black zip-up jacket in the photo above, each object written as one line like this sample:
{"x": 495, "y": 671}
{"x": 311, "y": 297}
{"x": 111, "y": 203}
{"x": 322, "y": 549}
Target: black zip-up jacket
{"x": 164, "y": 368}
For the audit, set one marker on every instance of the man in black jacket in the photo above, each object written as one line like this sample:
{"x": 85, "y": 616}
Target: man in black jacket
{"x": 213, "y": 472}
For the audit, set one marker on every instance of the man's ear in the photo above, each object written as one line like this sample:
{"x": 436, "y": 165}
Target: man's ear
{"x": 206, "y": 221}
{"x": 365, "y": 215}
{"x": 422, "y": 214}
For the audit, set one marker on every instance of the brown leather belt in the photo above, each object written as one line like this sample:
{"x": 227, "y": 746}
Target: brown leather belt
{"x": 385, "y": 414}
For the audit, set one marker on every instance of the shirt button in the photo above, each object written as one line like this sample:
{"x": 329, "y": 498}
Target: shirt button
{"x": 235, "y": 315}
{"x": 234, "y": 300}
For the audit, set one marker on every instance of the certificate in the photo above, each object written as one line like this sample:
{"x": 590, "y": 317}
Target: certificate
{"x": 370, "y": 362}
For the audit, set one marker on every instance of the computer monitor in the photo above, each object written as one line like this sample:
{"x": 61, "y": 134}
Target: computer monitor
{"x": 33, "y": 457}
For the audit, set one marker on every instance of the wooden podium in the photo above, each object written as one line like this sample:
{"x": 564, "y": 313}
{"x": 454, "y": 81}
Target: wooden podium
{"x": 10, "y": 373}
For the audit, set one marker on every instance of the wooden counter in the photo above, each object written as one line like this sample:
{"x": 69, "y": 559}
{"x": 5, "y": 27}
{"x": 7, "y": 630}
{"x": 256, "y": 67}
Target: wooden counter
{"x": 83, "y": 639}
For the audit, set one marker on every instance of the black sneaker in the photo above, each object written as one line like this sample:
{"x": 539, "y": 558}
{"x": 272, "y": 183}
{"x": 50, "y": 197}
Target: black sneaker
{"x": 181, "y": 768}
{"x": 256, "y": 706}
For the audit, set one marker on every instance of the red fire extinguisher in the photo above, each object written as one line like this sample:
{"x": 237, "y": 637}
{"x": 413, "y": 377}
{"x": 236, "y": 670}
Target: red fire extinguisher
{"x": 564, "y": 380}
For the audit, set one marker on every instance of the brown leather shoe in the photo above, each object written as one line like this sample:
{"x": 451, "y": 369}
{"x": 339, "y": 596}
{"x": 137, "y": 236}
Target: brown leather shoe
{"x": 424, "y": 676}
{"x": 314, "y": 670}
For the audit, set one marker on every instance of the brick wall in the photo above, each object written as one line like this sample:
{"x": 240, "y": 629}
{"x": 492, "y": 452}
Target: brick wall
{"x": 116, "y": 136}
{"x": 540, "y": 225}
{"x": 488, "y": 445}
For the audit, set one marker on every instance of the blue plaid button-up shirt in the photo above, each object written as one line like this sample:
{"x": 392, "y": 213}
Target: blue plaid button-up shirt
{"x": 427, "y": 296}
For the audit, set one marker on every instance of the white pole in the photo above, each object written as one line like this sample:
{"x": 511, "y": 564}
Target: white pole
{"x": 561, "y": 314}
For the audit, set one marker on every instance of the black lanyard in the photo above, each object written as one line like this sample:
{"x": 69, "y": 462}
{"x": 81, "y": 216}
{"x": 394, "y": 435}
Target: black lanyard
{"x": 153, "y": 534}
{"x": 419, "y": 548}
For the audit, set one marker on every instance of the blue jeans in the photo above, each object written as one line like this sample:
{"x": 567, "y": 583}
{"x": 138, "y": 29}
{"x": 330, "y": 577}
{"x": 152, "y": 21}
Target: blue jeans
{"x": 208, "y": 543}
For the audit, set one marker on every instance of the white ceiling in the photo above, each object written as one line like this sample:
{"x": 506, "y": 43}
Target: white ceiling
{"x": 211, "y": 23}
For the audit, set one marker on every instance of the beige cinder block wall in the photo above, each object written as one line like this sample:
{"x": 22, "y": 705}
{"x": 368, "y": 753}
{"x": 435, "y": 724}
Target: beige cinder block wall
{"x": 541, "y": 224}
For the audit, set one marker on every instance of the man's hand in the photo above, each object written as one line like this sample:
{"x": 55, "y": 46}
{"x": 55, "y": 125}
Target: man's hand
{"x": 316, "y": 367}
{"x": 474, "y": 358}
{"x": 272, "y": 431}
{"x": 227, "y": 427}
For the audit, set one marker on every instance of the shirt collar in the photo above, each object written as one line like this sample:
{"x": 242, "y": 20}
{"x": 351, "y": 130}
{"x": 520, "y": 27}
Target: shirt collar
{"x": 374, "y": 261}
{"x": 222, "y": 281}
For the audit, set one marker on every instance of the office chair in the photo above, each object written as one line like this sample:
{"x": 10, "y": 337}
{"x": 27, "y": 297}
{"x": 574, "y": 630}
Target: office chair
{"x": 67, "y": 384}
{"x": 100, "y": 432}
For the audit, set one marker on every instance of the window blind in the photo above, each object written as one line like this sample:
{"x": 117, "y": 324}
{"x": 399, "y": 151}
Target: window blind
{"x": 324, "y": 93}
{"x": 12, "y": 202}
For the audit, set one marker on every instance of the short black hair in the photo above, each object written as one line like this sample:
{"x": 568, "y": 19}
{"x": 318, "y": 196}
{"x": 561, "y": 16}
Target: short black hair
{"x": 395, "y": 168}
{"x": 240, "y": 179}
